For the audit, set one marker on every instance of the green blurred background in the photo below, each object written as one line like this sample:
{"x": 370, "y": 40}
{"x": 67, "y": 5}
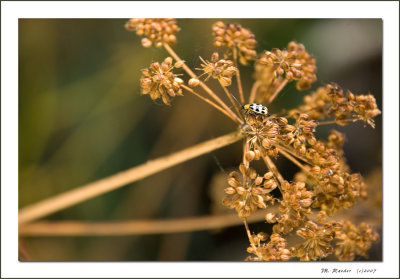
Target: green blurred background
{"x": 81, "y": 118}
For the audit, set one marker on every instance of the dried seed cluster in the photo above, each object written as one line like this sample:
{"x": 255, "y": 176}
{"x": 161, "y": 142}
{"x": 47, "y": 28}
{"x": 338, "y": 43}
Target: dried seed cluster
{"x": 353, "y": 240}
{"x": 334, "y": 187}
{"x": 156, "y": 30}
{"x": 324, "y": 185}
{"x": 274, "y": 250}
{"x": 262, "y": 134}
{"x": 159, "y": 81}
{"x": 318, "y": 240}
{"x": 247, "y": 191}
{"x": 294, "y": 207}
{"x": 330, "y": 100}
{"x": 220, "y": 69}
{"x": 234, "y": 36}
{"x": 294, "y": 63}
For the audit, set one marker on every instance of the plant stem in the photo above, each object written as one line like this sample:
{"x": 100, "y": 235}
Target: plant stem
{"x": 271, "y": 166}
{"x": 277, "y": 90}
{"x": 294, "y": 160}
{"x": 238, "y": 79}
{"x": 231, "y": 99}
{"x": 91, "y": 190}
{"x": 137, "y": 227}
{"x": 251, "y": 238}
{"x": 253, "y": 91}
{"x": 336, "y": 121}
{"x": 202, "y": 84}
{"x": 294, "y": 154}
{"x": 207, "y": 101}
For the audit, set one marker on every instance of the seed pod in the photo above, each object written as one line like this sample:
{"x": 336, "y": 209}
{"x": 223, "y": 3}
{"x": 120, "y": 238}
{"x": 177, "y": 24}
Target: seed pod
{"x": 249, "y": 155}
{"x": 268, "y": 175}
{"x": 233, "y": 182}
{"x": 146, "y": 42}
{"x": 270, "y": 218}
{"x": 179, "y": 64}
{"x": 214, "y": 57}
{"x": 229, "y": 190}
{"x": 240, "y": 190}
{"x": 305, "y": 202}
{"x": 193, "y": 82}
{"x": 225, "y": 81}
{"x": 258, "y": 180}
{"x": 262, "y": 236}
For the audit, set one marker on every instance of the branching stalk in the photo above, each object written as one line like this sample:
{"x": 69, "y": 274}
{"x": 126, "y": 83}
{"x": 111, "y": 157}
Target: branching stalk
{"x": 295, "y": 161}
{"x": 253, "y": 91}
{"x": 238, "y": 79}
{"x": 336, "y": 121}
{"x": 231, "y": 99}
{"x": 271, "y": 166}
{"x": 137, "y": 227}
{"x": 251, "y": 238}
{"x": 202, "y": 84}
{"x": 277, "y": 90}
{"x": 208, "y": 101}
{"x": 91, "y": 190}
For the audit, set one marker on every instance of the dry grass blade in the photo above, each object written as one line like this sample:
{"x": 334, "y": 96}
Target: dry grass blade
{"x": 85, "y": 192}
{"x": 76, "y": 228}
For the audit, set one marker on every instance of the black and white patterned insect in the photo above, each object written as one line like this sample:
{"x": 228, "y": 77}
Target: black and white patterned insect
{"x": 256, "y": 108}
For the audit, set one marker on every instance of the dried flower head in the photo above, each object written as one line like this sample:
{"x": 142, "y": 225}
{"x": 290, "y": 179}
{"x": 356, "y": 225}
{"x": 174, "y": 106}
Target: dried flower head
{"x": 222, "y": 70}
{"x": 248, "y": 191}
{"x": 274, "y": 250}
{"x": 262, "y": 133}
{"x": 317, "y": 240}
{"x": 353, "y": 240}
{"x": 330, "y": 101}
{"x": 159, "y": 81}
{"x": 294, "y": 206}
{"x": 237, "y": 39}
{"x": 156, "y": 30}
{"x": 275, "y": 66}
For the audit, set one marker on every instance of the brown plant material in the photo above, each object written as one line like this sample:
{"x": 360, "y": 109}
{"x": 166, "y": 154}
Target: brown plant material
{"x": 274, "y": 250}
{"x": 234, "y": 36}
{"x": 156, "y": 30}
{"x": 325, "y": 184}
{"x": 275, "y": 67}
{"x": 220, "y": 69}
{"x": 160, "y": 82}
{"x": 353, "y": 240}
{"x": 294, "y": 207}
{"x": 330, "y": 101}
{"x": 247, "y": 191}
{"x": 318, "y": 240}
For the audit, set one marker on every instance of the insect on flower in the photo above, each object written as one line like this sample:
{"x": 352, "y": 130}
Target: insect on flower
{"x": 256, "y": 108}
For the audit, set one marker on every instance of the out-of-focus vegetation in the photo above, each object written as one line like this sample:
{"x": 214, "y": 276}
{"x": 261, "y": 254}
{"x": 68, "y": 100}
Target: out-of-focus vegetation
{"x": 81, "y": 118}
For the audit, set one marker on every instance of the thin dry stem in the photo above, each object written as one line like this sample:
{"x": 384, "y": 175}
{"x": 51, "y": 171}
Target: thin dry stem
{"x": 335, "y": 121}
{"x": 231, "y": 99}
{"x": 253, "y": 91}
{"x": 91, "y": 190}
{"x": 295, "y": 161}
{"x": 250, "y": 237}
{"x": 238, "y": 79}
{"x": 207, "y": 101}
{"x": 202, "y": 84}
{"x": 280, "y": 87}
{"x": 76, "y": 228}
{"x": 294, "y": 154}
{"x": 271, "y": 166}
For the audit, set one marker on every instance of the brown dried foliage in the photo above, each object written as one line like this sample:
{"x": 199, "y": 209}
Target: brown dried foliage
{"x": 324, "y": 185}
